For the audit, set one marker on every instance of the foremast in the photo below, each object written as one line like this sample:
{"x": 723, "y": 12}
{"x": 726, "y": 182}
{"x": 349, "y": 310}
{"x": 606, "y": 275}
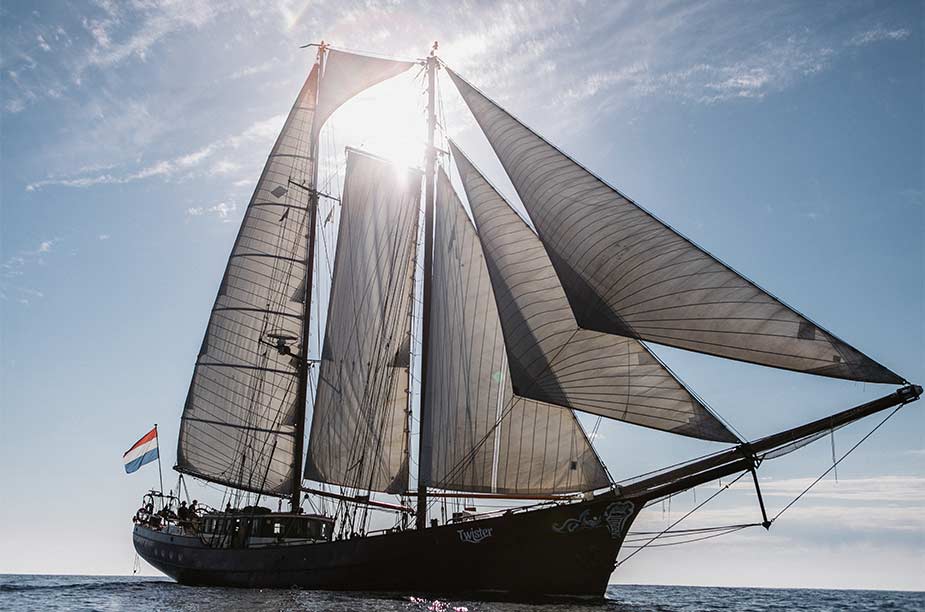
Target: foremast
{"x": 427, "y": 289}
{"x": 295, "y": 498}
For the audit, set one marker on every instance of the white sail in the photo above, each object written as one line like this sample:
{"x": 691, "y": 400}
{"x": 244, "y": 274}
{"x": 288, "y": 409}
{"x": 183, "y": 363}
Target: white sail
{"x": 360, "y": 413}
{"x": 239, "y": 422}
{"x": 625, "y": 272}
{"x": 550, "y": 357}
{"x": 347, "y": 74}
{"x": 478, "y": 435}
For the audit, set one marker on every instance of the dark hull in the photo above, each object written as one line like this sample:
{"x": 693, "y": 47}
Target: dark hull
{"x": 564, "y": 551}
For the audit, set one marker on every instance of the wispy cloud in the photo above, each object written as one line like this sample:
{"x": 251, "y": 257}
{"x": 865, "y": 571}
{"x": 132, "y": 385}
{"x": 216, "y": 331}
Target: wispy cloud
{"x": 771, "y": 67}
{"x": 878, "y": 34}
{"x": 14, "y": 265}
{"x": 254, "y": 69}
{"x": 222, "y": 210}
{"x": 114, "y": 33}
{"x": 886, "y": 489}
{"x": 13, "y": 270}
{"x": 224, "y": 167}
{"x": 147, "y": 24}
{"x": 260, "y": 131}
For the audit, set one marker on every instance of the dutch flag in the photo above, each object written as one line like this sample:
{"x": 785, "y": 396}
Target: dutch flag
{"x": 142, "y": 452}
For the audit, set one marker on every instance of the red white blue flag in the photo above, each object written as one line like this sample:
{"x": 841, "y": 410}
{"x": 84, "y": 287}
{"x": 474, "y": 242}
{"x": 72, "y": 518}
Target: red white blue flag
{"x": 142, "y": 452}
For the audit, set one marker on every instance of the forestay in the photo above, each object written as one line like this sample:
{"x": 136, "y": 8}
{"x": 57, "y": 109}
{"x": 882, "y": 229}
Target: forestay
{"x": 239, "y": 422}
{"x": 625, "y": 272}
{"x": 478, "y": 435}
{"x": 553, "y": 360}
{"x": 358, "y": 431}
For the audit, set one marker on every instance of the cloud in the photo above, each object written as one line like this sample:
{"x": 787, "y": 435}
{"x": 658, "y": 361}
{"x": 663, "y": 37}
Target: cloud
{"x": 263, "y": 129}
{"x": 13, "y": 265}
{"x": 223, "y": 167}
{"x": 115, "y": 33}
{"x": 252, "y": 70}
{"x": 14, "y": 269}
{"x": 831, "y": 509}
{"x": 259, "y": 131}
{"x": 221, "y": 210}
{"x": 772, "y": 67}
{"x": 104, "y": 237}
{"x": 878, "y": 34}
{"x": 152, "y": 22}
{"x": 886, "y": 489}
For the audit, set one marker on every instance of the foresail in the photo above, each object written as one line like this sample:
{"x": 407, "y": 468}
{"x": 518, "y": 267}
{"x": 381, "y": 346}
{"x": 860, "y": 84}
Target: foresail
{"x": 239, "y": 422}
{"x": 347, "y": 74}
{"x": 479, "y": 436}
{"x": 627, "y": 273}
{"x": 550, "y": 357}
{"x": 360, "y": 413}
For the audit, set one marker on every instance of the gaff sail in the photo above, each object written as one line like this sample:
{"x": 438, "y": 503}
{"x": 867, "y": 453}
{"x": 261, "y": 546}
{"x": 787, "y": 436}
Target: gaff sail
{"x": 358, "y": 431}
{"x": 347, "y": 74}
{"x": 551, "y": 358}
{"x": 239, "y": 422}
{"x": 241, "y": 417}
{"x": 477, "y": 435}
{"x": 627, "y": 273}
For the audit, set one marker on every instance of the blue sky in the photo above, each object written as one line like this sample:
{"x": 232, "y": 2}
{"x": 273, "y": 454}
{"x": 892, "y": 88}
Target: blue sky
{"x": 786, "y": 138}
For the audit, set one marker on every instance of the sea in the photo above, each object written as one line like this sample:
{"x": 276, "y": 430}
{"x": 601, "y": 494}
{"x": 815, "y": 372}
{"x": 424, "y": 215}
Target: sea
{"x": 140, "y": 594}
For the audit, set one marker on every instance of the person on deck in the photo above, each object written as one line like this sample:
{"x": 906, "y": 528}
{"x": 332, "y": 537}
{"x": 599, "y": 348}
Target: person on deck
{"x": 194, "y": 515}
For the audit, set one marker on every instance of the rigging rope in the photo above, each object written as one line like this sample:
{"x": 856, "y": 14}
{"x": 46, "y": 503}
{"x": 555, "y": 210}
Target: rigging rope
{"x": 834, "y": 465}
{"x": 667, "y": 529}
{"x": 714, "y": 532}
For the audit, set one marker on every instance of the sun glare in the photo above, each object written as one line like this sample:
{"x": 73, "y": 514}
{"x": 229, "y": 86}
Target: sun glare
{"x": 387, "y": 120}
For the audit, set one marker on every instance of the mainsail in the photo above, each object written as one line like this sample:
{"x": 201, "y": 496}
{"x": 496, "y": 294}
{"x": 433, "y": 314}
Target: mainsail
{"x": 478, "y": 435}
{"x": 550, "y": 357}
{"x": 358, "y": 432}
{"x": 627, "y": 273}
{"x": 239, "y": 422}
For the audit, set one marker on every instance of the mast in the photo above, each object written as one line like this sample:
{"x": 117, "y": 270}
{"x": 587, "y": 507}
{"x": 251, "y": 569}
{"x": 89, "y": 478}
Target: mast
{"x": 302, "y": 394}
{"x": 429, "y": 180}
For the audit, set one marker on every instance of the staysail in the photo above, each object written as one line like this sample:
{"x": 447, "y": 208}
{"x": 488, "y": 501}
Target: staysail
{"x": 239, "y": 422}
{"x": 358, "y": 431}
{"x": 550, "y": 357}
{"x": 627, "y": 273}
{"x": 478, "y": 435}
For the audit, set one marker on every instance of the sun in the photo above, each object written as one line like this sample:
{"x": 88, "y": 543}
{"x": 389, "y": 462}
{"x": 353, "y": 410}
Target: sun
{"x": 387, "y": 120}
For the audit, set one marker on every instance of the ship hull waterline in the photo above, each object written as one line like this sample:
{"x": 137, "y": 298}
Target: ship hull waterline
{"x": 566, "y": 551}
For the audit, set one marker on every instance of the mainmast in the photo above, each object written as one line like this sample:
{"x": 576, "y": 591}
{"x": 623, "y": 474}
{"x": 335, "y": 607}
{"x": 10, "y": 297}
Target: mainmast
{"x": 302, "y": 395}
{"x": 429, "y": 180}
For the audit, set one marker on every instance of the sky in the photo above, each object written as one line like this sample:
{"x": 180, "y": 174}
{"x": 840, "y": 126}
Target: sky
{"x": 786, "y": 138}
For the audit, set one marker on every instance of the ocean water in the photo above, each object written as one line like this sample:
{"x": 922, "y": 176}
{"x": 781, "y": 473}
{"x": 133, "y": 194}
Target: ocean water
{"x": 137, "y": 594}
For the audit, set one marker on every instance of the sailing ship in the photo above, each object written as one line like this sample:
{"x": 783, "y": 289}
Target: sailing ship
{"x": 488, "y": 328}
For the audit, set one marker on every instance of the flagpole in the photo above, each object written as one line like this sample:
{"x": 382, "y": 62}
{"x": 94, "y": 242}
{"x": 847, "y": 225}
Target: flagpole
{"x": 160, "y": 474}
